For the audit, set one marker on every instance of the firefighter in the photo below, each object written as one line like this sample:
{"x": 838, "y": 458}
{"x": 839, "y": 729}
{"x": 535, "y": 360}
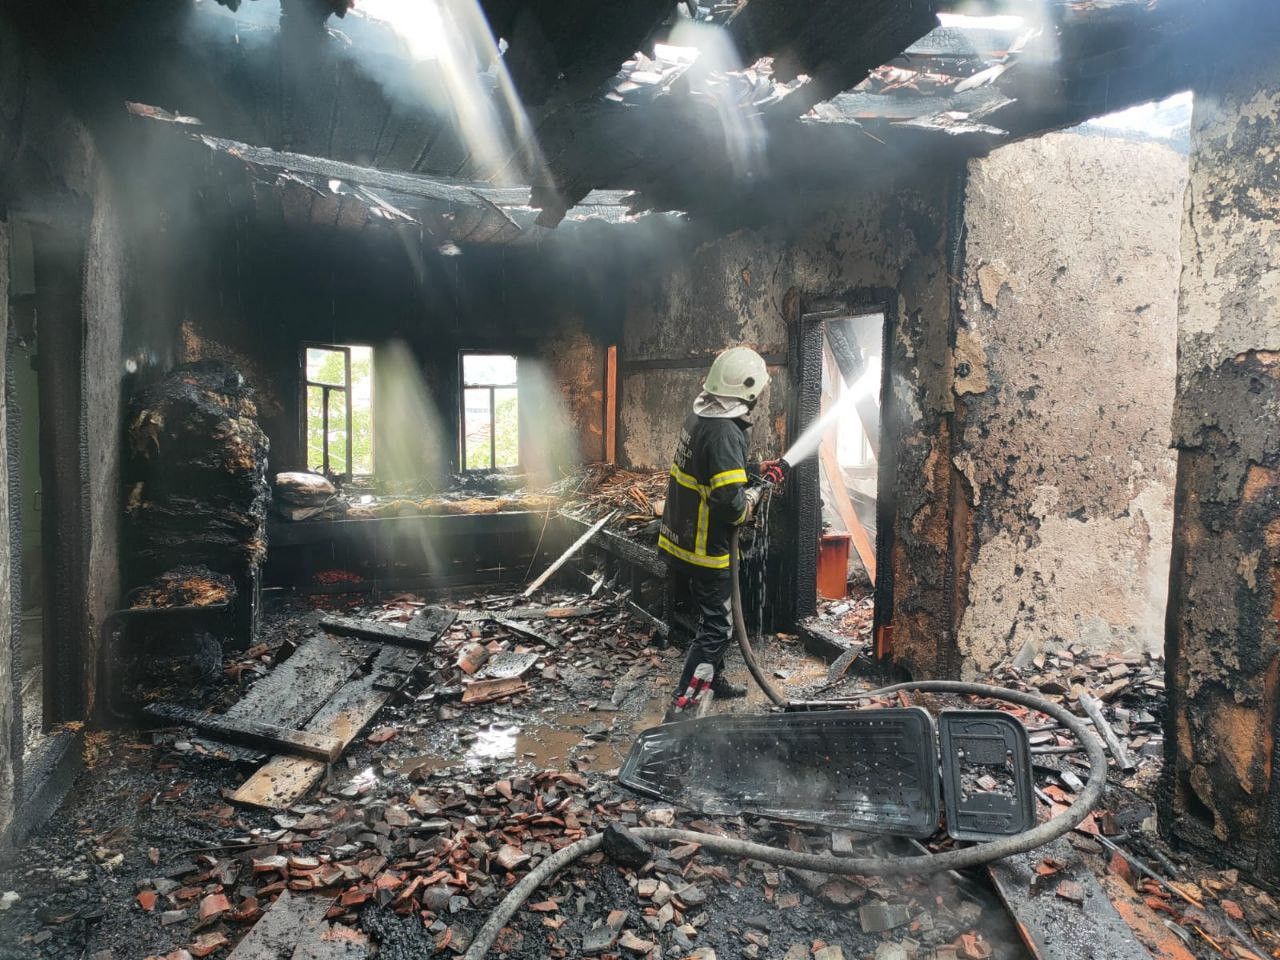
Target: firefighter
{"x": 708, "y": 494}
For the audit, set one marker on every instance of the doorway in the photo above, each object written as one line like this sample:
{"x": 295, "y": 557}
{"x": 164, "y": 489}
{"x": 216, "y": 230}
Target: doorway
{"x": 849, "y": 453}
{"x": 47, "y": 473}
{"x": 843, "y": 516}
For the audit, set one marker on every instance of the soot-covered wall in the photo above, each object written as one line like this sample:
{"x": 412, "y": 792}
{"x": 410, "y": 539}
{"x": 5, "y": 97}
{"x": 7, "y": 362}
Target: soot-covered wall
{"x": 1066, "y": 343}
{"x": 751, "y": 287}
{"x": 56, "y": 181}
{"x": 260, "y": 293}
{"x": 1223, "y": 722}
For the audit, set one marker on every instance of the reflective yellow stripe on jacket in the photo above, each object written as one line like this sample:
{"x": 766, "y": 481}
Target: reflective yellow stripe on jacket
{"x": 685, "y": 480}
{"x": 699, "y": 556}
{"x": 726, "y": 478}
{"x": 698, "y": 560}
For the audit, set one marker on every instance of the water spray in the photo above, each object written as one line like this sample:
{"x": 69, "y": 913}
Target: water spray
{"x": 806, "y": 445}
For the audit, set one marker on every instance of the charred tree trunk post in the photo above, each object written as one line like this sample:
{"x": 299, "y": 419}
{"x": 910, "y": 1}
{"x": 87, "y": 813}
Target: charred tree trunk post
{"x": 1222, "y": 634}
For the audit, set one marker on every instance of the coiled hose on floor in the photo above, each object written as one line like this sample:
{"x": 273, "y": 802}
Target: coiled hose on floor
{"x": 922, "y": 865}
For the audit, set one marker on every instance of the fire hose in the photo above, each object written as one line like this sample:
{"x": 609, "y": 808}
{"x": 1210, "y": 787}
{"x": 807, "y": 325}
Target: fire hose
{"x": 921, "y": 865}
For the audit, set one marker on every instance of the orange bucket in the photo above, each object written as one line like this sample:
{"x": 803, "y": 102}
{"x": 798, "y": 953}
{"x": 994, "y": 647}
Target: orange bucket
{"x": 833, "y": 566}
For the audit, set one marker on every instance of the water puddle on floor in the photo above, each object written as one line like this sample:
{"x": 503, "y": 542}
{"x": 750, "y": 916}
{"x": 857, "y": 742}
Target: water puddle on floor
{"x": 546, "y": 743}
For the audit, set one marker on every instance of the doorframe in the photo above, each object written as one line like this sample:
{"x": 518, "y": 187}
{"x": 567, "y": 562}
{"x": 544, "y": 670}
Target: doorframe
{"x": 806, "y": 503}
{"x": 64, "y": 466}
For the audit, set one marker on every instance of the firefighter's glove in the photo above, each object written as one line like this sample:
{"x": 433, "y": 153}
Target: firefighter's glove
{"x": 773, "y": 472}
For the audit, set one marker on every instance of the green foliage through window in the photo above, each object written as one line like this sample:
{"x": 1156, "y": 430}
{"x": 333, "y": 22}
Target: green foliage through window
{"x": 327, "y": 367}
{"x": 490, "y": 412}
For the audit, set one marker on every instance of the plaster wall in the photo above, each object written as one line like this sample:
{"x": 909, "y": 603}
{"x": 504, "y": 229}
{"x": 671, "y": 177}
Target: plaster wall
{"x": 751, "y": 287}
{"x": 1224, "y": 622}
{"x": 1065, "y": 364}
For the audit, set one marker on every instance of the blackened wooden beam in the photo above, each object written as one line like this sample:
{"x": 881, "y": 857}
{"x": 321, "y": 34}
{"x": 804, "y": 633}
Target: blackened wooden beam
{"x": 421, "y": 633}
{"x": 254, "y": 733}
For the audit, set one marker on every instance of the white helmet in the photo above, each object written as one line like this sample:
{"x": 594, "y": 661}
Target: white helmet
{"x": 738, "y": 372}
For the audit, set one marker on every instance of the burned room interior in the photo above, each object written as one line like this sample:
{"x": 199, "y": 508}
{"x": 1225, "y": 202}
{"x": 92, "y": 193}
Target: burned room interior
{"x": 650, "y": 480}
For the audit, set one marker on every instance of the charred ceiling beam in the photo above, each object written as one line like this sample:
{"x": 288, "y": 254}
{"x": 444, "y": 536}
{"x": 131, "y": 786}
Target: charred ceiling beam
{"x": 569, "y": 48}
{"x": 1086, "y": 60}
{"x": 313, "y": 191}
{"x": 878, "y": 111}
{"x": 321, "y": 9}
{"x": 1107, "y": 55}
{"x": 715, "y": 119}
{"x": 304, "y": 191}
{"x": 836, "y": 43}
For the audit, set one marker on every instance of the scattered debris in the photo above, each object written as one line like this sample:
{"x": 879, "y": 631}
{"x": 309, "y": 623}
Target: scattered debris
{"x": 418, "y": 829}
{"x": 565, "y": 557}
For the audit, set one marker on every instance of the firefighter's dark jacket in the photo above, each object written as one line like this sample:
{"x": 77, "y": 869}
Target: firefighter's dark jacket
{"x": 706, "y": 494}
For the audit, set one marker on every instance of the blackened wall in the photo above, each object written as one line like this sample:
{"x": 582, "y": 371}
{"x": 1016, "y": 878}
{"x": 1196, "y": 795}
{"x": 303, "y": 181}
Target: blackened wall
{"x": 751, "y": 287}
{"x": 10, "y": 683}
{"x": 1223, "y": 629}
{"x": 54, "y": 177}
{"x": 254, "y": 295}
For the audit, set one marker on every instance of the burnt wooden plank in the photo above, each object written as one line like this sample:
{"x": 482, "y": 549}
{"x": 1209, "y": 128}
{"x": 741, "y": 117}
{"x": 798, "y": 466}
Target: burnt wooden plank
{"x": 231, "y": 752}
{"x": 1054, "y": 928}
{"x": 521, "y": 630}
{"x": 526, "y": 613}
{"x": 564, "y": 557}
{"x": 822, "y": 641}
{"x": 286, "y": 923}
{"x": 646, "y": 558}
{"x": 297, "y": 688}
{"x": 434, "y": 621}
{"x": 284, "y": 780}
{"x": 395, "y": 634}
{"x": 486, "y": 691}
{"x": 255, "y": 733}
{"x": 1094, "y": 709}
{"x": 420, "y": 633}
{"x": 647, "y": 618}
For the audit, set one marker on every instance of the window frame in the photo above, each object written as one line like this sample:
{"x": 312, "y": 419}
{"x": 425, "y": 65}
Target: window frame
{"x": 348, "y": 406}
{"x": 463, "y": 387}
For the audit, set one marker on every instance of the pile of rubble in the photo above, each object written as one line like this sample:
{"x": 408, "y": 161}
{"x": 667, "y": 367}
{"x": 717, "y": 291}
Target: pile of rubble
{"x": 454, "y": 795}
{"x": 300, "y": 495}
{"x": 634, "y": 499}
{"x": 441, "y": 855}
{"x": 310, "y": 496}
{"x": 184, "y": 586}
{"x": 198, "y": 462}
{"x": 1123, "y": 695}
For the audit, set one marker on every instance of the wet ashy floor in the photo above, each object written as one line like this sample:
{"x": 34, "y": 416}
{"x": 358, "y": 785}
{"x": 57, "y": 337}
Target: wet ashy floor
{"x": 536, "y": 739}
{"x": 592, "y": 735}
{"x": 152, "y": 803}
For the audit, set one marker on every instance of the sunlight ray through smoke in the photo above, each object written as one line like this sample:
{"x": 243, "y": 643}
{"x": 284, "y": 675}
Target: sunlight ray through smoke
{"x": 454, "y": 35}
{"x": 715, "y": 62}
{"x": 413, "y": 442}
{"x": 550, "y": 448}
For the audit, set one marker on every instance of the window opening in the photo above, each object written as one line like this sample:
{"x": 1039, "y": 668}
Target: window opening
{"x": 339, "y": 409}
{"x": 490, "y": 411}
